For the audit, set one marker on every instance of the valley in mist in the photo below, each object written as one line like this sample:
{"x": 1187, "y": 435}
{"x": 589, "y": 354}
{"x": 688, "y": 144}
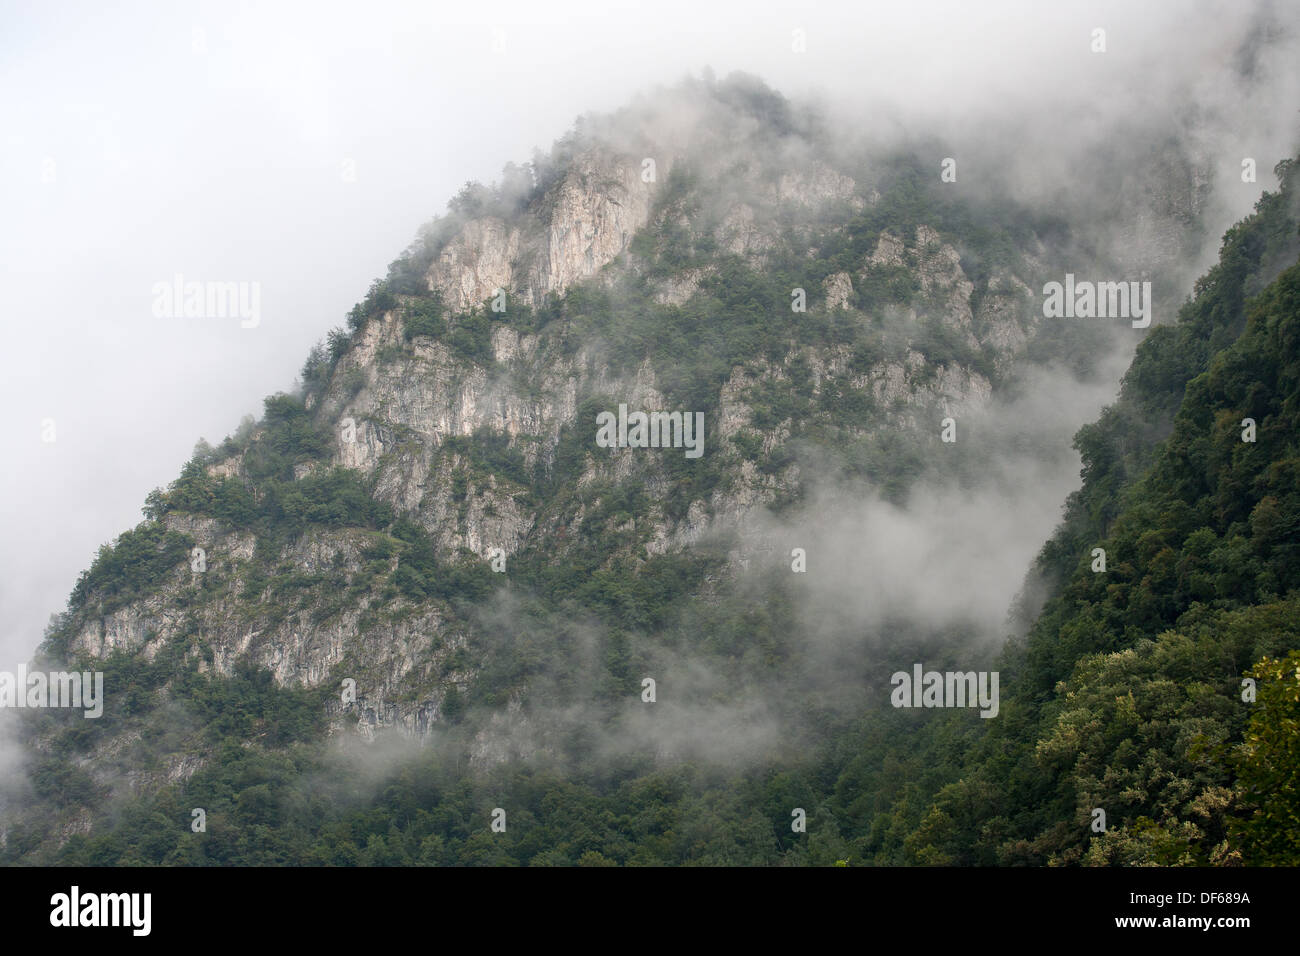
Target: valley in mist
{"x": 417, "y": 585}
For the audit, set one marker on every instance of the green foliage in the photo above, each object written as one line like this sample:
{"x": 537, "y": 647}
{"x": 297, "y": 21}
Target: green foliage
{"x": 379, "y": 299}
{"x": 317, "y": 369}
{"x": 471, "y": 336}
{"x": 1122, "y": 444}
{"x": 1125, "y": 695}
{"x": 1214, "y": 520}
{"x": 290, "y": 436}
{"x": 129, "y": 568}
{"x": 886, "y": 285}
{"x": 489, "y": 452}
{"x": 424, "y": 317}
{"x": 1269, "y": 769}
{"x": 1128, "y": 688}
{"x": 420, "y": 574}
{"x": 249, "y": 705}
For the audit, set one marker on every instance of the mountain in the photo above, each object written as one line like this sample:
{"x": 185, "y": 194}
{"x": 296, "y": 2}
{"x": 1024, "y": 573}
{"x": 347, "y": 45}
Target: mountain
{"x": 1131, "y": 689}
{"x": 442, "y": 578}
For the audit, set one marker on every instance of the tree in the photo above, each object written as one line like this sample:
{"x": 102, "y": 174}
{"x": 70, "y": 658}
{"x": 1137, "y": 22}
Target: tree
{"x": 1269, "y": 768}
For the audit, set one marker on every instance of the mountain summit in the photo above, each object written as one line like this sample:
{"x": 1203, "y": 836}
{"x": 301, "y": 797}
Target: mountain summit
{"x": 639, "y": 473}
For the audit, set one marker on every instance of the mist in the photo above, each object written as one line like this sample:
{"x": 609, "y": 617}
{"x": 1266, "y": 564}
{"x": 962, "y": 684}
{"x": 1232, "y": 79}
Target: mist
{"x": 300, "y": 148}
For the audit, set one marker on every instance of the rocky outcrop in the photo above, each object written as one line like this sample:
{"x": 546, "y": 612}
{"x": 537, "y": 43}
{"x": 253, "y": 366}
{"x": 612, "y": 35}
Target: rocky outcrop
{"x": 477, "y": 263}
{"x": 678, "y": 289}
{"x": 839, "y": 291}
{"x": 582, "y": 224}
{"x": 742, "y": 235}
{"x": 395, "y": 405}
{"x": 1006, "y": 319}
{"x": 406, "y": 415}
{"x": 888, "y": 251}
{"x": 817, "y": 185}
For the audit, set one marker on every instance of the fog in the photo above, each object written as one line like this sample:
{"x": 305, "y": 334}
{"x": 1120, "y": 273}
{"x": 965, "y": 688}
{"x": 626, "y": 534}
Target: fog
{"x": 300, "y": 147}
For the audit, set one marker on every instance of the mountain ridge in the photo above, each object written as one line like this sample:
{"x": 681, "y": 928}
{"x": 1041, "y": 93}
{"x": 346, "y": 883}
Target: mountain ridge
{"x": 351, "y": 534}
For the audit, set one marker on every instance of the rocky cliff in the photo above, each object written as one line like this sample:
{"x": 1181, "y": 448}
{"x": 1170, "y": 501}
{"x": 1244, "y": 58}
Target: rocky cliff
{"x": 733, "y": 265}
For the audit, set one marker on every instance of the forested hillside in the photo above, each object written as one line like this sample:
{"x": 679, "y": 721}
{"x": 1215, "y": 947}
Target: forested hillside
{"x": 417, "y": 591}
{"x": 1129, "y": 692}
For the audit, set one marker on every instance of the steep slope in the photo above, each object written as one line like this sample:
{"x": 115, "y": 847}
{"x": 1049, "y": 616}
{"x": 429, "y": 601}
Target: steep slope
{"x": 1135, "y": 691}
{"x": 430, "y": 538}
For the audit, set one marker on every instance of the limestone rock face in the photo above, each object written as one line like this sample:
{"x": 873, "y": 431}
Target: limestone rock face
{"x": 839, "y": 291}
{"x": 393, "y": 405}
{"x": 942, "y": 278}
{"x": 1006, "y": 318}
{"x": 819, "y": 184}
{"x": 888, "y": 252}
{"x": 742, "y": 235}
{"x": 476, "y": 263}
{"x": 583, "y": 223}
{"x": 598, "y": 207}
{"x": 675, "y": 290}
{"x": 404, "y": 413}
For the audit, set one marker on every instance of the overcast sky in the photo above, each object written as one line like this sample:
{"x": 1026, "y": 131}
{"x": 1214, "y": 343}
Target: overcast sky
{"x": 300, "y": 145}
